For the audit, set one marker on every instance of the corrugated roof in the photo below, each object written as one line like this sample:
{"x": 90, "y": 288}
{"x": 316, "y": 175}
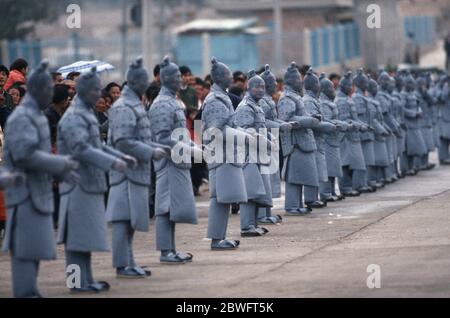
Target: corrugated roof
{"x": 217, "y": 25}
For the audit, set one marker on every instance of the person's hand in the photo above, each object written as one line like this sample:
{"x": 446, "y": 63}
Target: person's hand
{"x": 120, "y": 165}
{"x": 286, "y": 126}
{"x": 318, "y": 117}
{"x": 71, "y": 164}
{"x": 159, "y": 154}
{"x": 130, "y": 161}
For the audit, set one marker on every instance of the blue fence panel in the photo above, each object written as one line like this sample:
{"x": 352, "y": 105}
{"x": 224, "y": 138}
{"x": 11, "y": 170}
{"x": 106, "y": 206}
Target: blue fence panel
{"x": 188, "y": 51}
{"x": 336, "y": 44}
{"x": 347, "y": 41}
{"x": 356, "y": 41}
{"x": 314, "y": 48}
{"x": 325, "y": 36}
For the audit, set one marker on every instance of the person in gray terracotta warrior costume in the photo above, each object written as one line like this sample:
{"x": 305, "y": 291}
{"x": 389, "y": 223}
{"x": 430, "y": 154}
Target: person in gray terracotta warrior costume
{"x": 82, "y": 222}
{"x": 298, "y": 145}
{"x": 415, "y": 144}
{"x": 174, "y": 193}
{"x": 29, "y": 234}
{"x": 312, "y": 105}
{"x": 250, "y": 116}
{"x": 444, "y": 121}
{"x": 226, "y": 178}
{"x": 332, "y": 141}
{"x": 128, "y": 201}
{"x": 399, "y": 114}
{"x": 353, "y": 165}
{"x": 272, "y": 122}
{"x": 365, "y": 115}
{"x": 384, "y": 98}
{"x": 381, "y": 131}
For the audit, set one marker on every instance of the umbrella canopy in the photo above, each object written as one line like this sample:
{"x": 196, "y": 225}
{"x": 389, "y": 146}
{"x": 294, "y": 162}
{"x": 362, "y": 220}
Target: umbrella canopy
{"x": 84, "y": 67}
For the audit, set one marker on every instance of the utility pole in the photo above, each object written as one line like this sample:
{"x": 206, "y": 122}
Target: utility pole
{"x": 277, "y": 35}
{"x": 147, "y": 33}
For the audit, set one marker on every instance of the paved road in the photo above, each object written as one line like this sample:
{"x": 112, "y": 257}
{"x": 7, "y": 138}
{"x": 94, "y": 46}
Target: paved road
{"x": 405, "y": 229}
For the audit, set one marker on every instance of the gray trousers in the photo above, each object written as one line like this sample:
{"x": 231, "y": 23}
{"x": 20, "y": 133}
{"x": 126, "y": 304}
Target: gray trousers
{"x": 122, "y": 244}
{"x": 444, "y": 153}
{"x": 404, "y": 167}
{"x": 352, "y": 179}
{"x": 218, "y": 215}
{"x": 294, "y": 195}
{"x": 249, "y": 215}
{"x": 83, "y": 260}
{"x": 372, "y": 175}
{"x": 24, "y": 278}
{"x": 264, "y": 212}
{"x": 165, "y": 233}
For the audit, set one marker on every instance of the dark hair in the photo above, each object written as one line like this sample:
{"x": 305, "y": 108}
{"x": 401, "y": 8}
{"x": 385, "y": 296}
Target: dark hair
{"x": 61, "y": 93}
{"x": 208, "y": 79}
{"x": 199, "y": 81}
{"x": 71, "y": 76}
{"x": 184, "y": 70}
{"x": 18, "y": 65}
{"x": 304, "y": 69}
{"x": 19, "y": 88}
{"x": 105, "y": 94}
{"x": 156, "y": 70}
{"x": 239, "y": 76}
{"x": 111, "y": 85}
{"x": 55, "y": 75}
{"x": 334, "y": 76}
{"x": 152, "y": 92}
{"x": 4, "y": 69}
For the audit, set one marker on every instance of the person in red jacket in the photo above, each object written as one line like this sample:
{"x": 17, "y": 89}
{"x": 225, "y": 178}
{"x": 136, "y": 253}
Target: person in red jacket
{"x": 18, "y": 73}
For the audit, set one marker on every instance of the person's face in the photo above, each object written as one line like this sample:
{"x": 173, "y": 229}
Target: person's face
{"x": 186, "y": 79}
{"x": 240, "y": 83}
{"x": 3, "y": 79}
{"x": 174, "y": 81}
{"x": 271, "y": 85}
{"x": 257, "y": 90}
{"x": 101, "y": 105}
{"x": 335, "y": 82}
{"x": 115, "y": 93}
{"x": 227, "y": 79}
{"x": 199, "y": 91}
{"x": 108, "y": 102}
{"x": 15, "y": 96}
{"x": 58, "y": 80}
{"x": 71, "y": 85}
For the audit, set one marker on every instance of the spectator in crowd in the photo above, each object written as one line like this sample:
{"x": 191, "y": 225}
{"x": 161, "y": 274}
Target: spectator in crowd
{"x": 73, "y": 76}
{"x": 240, "y": 80}
{"x": 72, "y": 90}
{"x": 101, "y": 111}
{"x": 303, "y": 70}
{"x": 17, "y": 73}
{"x": 57, "y": 78}
{"x": 16, "y": 92}
{"x": 114, "y": 90}
{"x": 335, "y": 79}
{"x": 5, "y": 99}
{"x": 188, "y": 94}
{"x": 208, "y": 79}
{"x": 157, "y": 79}
{"x": 150, "y": 95}
{"x": 55, "y": 111}
{"x": 279, "y": 90}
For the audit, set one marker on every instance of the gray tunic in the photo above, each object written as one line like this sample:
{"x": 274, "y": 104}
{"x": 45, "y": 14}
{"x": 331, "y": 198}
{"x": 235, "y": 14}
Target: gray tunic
{"x": 312, "y": 106}
{"x": 351, "y": 150}
{"x": 82, "y": 222}
{"x": 129, "y": 132}
{"x": 226, "y": 182}
{"x": 415, "y": 144}
{"x": 174, "y": 192}
{"x": 399, "y": 115}
{"x": 367, "y": 137}
{"x": 444, "y": 99}
{"x": 298, "y": 145}
{"x": 380, "y": 133}
{"x": 250, "y": 115}
{"x": 29, "y": 231}
{"x": 425, "y": 122}
{"x": 333, "y": 140}
{"x": 386, "y": 106}
{"x": 272, "y": 121}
